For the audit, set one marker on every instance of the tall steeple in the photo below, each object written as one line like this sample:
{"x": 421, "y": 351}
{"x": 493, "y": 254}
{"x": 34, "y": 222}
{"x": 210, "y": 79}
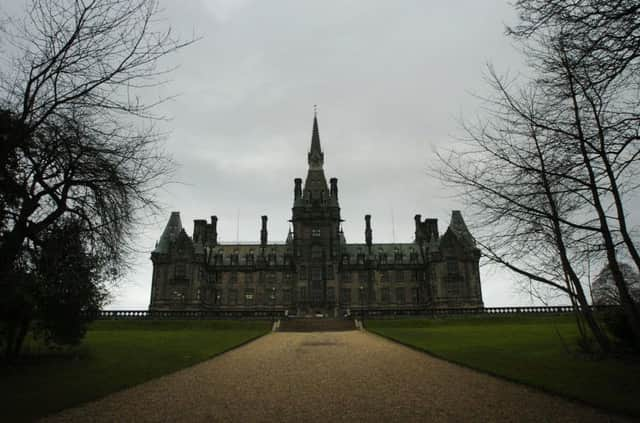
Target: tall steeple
{"x": 316, "y": 156}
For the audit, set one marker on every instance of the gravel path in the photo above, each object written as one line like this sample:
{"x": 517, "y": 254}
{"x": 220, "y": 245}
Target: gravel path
{"x": 328, "y": 377}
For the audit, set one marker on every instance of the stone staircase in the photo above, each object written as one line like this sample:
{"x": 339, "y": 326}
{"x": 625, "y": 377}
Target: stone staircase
{"x": 315, "y": 325}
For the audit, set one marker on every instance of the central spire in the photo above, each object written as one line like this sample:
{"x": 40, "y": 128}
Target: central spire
{"x": 316, "y": 156}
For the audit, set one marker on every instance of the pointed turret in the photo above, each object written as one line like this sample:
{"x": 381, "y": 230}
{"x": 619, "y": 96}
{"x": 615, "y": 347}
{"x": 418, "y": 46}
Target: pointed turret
{"x": 316, "y": 156}
{"x": 316, "y": 190}
{"x": 459, "y": 229}
{"x": 170, "y": 233}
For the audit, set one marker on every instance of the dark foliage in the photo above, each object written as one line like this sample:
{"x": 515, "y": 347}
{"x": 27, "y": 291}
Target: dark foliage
{"x": 616, "y": 322}
{"x": 69, "y": 289}
{"x": 77, "y": 166}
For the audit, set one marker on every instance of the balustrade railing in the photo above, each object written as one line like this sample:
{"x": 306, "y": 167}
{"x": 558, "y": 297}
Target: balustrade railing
{"x": 371, "y": 312}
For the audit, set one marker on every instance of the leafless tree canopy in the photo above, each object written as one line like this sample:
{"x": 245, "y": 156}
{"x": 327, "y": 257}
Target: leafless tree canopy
{"x": 69, "y": 98}
{"x": 550, "y": 164}
{"x": 77, "y": 139}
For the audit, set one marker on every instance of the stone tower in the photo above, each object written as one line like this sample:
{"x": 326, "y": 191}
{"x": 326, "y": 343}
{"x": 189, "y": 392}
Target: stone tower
{"x": 316, "y": 229}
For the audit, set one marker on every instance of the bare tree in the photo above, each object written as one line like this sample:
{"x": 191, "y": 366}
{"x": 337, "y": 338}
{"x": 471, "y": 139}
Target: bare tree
{"x": 595, "y": 52}
{"x": 553, "y": 162}
{"x": 605, "y": 292}
{"x": 520, "y": 179}
{"x": 73, "y": 144}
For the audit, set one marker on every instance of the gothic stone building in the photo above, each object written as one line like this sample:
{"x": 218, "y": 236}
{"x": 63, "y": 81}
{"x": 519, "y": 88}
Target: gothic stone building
{"x": 315, "y": 269}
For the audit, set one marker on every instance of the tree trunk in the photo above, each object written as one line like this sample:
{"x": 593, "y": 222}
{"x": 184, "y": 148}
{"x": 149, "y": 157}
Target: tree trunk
{"x": 631, "y": 313}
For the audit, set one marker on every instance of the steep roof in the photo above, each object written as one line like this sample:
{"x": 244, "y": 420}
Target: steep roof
{"x": 316, "y": 156}
{"x": 170, "y": 233}
{"x": 316, "y": 188}
{"x": 459, "y": 229}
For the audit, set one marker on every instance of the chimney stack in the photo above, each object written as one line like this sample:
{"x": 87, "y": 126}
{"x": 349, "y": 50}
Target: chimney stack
{"x": 214, "y": 230}
{"x": 367, "y": 231}
{"x": 297, "y": 190}
{"x": 263, "y": 232}
{"x": 334, "y": 188}
{"x": 419, "y": 237}
{"x": 200, "y": 231}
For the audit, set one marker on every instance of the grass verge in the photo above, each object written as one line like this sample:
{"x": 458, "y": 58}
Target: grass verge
{"x": 114, "y": 355}
{"x": 535, "y": 350}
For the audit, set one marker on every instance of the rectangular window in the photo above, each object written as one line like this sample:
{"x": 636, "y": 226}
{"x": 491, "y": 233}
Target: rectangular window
{"x": 386, "y": 295}
{"x": 331, "y": 294}
{"x": 233, "y": 277}
{"x": 272, "y": 295}
{"x": 286, "y": 296}
{"x": 315, "y": 232}
{"x": 180, "y": 270}
{"x": 454, "y": 285}
{"x": 303, "y": 294}
{"x": 272, "y": 278}
{"x": 302, "y": 274}
{"x": 346, "y": 276}
{"x": 362, "y": 296}
{"x": 400, "y": 296}
{"x": 248, "y": 277}
{"x": 363, "y": 276}
{"x": 233, "y": 296}
{"x": 452, "y": 267}
{"x": 330, "y": 272}
{"x": 316, "y": 273}
{"x": 414, "y": 295}
{"x": 384, "y": 276}
{"x": 345, "y": 296}
{"x": 249, "y": 296}
{"x": 399, "y": 275}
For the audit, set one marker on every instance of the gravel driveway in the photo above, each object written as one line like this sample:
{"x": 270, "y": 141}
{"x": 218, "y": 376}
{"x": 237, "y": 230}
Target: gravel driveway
{"x": 328, "y": 377}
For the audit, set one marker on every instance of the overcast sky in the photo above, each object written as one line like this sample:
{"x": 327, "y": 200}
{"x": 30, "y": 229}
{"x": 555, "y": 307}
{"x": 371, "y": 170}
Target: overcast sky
{"x": 390, "y": 78}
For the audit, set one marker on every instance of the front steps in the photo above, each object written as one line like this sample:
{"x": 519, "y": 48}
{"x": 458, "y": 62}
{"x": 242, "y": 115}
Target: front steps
{"x": 315, "y": 325}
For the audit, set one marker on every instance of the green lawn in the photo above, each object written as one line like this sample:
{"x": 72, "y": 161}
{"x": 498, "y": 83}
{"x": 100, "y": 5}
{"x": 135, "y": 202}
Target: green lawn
{"x": 535, "y": 350}
{"x": 114, "y": 355}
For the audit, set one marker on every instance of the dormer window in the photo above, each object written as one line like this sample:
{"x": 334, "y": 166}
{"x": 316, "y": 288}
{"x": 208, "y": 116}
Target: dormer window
{"x": 413, "y": 257}
{"x": 397, "y": 257}
{"x": 180, "y": 270}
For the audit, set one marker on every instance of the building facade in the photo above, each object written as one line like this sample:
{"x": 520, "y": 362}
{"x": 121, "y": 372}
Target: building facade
{"x": 315, "y": 269}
